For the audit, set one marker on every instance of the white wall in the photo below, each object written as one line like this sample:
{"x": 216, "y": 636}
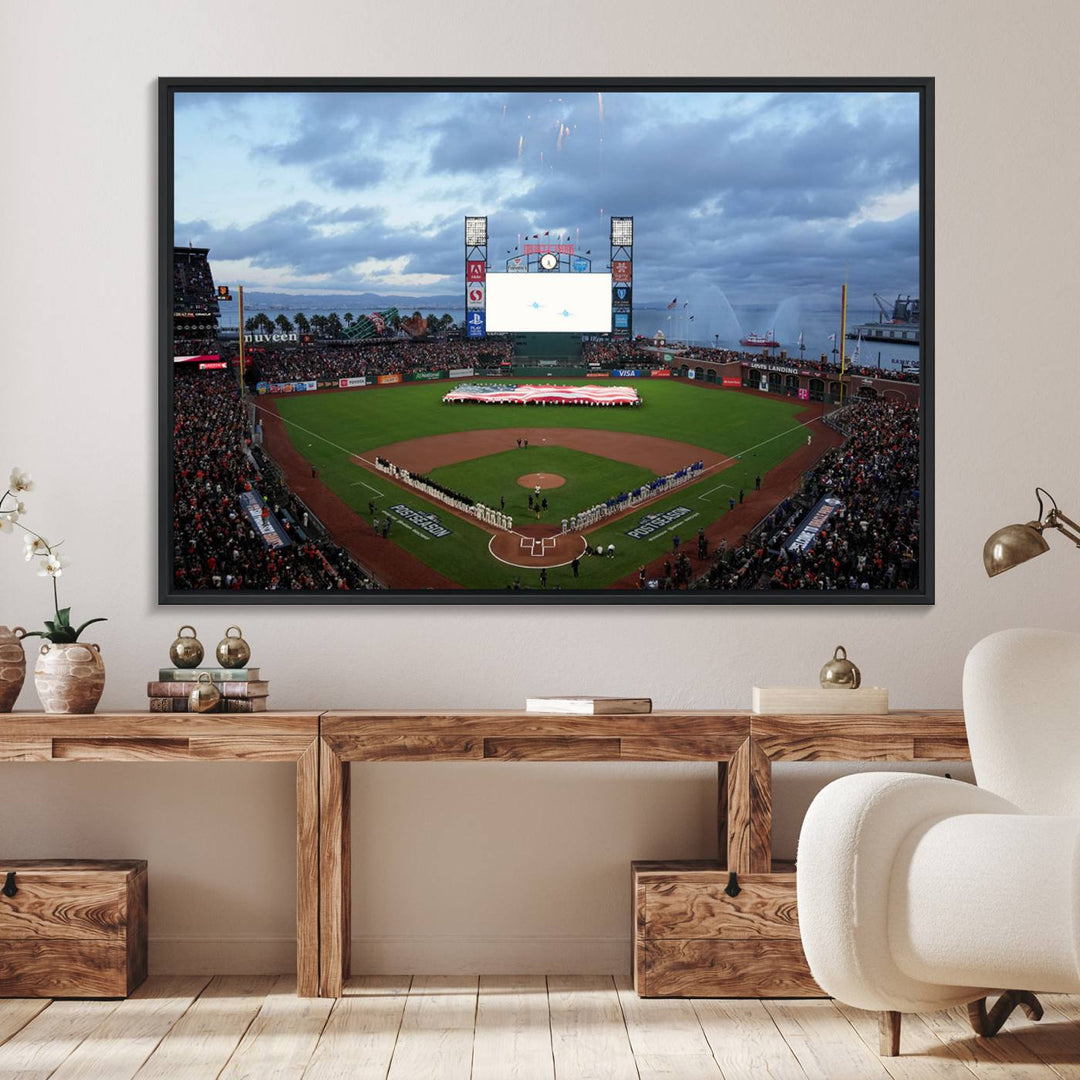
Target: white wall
{"x": 494, "y": 867}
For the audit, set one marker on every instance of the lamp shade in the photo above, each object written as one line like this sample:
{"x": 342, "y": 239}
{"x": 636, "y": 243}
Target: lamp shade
{"x": 1012, "y": 545}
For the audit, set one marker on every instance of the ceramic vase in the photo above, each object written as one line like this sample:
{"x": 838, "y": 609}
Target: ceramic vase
{"x": 69, "y": 678}
{"x": 12, "y": 666}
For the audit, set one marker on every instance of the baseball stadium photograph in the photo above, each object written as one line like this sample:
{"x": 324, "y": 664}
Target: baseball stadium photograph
{"x": 546, "y": 341}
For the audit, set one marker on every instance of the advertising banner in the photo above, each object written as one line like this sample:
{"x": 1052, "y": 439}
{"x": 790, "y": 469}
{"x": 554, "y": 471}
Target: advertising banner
{"x": 474, "y": 295}
{"x": 626, "y": 373}
{"x": 262, "y": 388}
{"x": 356, "y": 380}
{"x": 516, "y": 265}
{"x": 621, "y": 320}
{"x": 660, "y": 373}
{"x": 422, "y": 376}
{"x": 621, "y": 270}
{"x": 474, "y": 270}
{"x": 763, "y": 382}
{"x": 475, "y": 324}
{"x": 804, "y": 393}
{"x": 212, "y": 365}
{"x": 292, "y": 337}
{"x": 690, "y": 374}
{"x": 731, "y": 380}
{"x": 309, "y": 384}
{"x": 459, "y": 373}
{"x": 598, "y": 375}
{"x": 654, "y": 523}
{"x": 423, "y": 520}
{"x": 578, "y": 265}
{"x": 668, "y": 357}
{"x": 804, "y": 537}
{"x": 389, "y": 380}
{"x": 620, "y": 293}
{"x": 263, "y": 521}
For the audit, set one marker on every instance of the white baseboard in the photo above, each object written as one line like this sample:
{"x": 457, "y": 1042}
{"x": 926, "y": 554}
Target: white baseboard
{"x": 445, "y": 954}
{"x": 430, "y": 954}
{"x": 221, "y": 956}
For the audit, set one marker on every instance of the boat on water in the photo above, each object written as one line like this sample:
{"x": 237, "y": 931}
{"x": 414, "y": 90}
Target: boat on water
{"x": 897, "y": 327}
{"x": 761, "y": 341}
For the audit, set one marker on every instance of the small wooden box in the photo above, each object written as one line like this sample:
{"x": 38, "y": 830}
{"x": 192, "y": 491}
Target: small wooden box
{"x": 691, "y": 939}
{"x": 72, "y": 928}
{"x": 818, "y": 701}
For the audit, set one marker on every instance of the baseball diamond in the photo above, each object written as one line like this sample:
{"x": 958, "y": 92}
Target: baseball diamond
{"x": 574, "y": 496}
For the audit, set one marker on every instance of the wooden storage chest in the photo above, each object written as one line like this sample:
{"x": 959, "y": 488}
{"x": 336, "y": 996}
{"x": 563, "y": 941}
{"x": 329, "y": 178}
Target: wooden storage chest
{"x": 71, "y": 928}
{"x": 692, "y": 939}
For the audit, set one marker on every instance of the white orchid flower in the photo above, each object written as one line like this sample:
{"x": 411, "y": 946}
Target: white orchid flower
{"x": 8, "y": 519}
{"x": 20, "y": 481}
{"x": 53, "y": 566}
{"x": 34, "y": 545}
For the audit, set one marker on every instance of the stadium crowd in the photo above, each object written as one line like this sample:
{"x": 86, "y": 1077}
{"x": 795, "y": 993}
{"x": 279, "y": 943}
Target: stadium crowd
{"x": 617, "y": 354}
{"x": 346, "y": 360}
{"x": 215, "y": 545}
{"x": 870, "y": 542}
{"x": 193, "y": 285}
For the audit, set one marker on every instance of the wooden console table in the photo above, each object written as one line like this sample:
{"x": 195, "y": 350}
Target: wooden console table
{"x": 743, "y": 745}
{"x": 322, "y": 745}
{"x": 259, "y": 737}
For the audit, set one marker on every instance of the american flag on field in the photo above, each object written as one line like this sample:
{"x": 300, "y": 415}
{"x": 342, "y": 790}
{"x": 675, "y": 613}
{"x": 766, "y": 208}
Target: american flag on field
{"x": 513, "y": 394}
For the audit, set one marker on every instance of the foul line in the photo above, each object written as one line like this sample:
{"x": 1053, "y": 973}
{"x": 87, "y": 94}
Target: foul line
{"x": 706, "y": 494}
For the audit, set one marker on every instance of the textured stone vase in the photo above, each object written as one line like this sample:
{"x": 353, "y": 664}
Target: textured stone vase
{"x": 69, "y": 678}
{"x": 12, "y": 666}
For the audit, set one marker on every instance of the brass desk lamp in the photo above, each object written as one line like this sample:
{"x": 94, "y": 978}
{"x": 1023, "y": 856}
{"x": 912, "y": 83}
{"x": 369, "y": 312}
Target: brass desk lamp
{"x": 1014, "y": 544}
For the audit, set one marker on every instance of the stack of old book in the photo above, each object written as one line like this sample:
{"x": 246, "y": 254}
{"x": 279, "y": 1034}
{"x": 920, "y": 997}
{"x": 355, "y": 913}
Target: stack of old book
{"x": 241, "y": 689}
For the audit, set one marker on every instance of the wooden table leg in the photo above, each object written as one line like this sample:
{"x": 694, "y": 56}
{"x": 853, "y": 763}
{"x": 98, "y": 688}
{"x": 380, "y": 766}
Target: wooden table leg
{"x": 749, "y": 810}
{"x": 307, "y": 872}
{"x": 334, "y": 872}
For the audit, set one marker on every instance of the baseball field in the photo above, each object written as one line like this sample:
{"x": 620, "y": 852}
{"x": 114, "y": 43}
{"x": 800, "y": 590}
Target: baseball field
{"x": 327, "y": 442}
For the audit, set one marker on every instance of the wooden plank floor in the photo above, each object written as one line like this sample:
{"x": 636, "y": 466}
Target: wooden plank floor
{"x": 524, "y": 1027}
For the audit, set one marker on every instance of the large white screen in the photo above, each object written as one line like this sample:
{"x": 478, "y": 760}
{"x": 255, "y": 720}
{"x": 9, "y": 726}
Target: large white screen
{"x": 575, "y": 303}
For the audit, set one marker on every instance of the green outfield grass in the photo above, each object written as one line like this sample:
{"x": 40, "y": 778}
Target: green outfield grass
{"x": 362, "y": 420}
{"x": 328, "y": 429}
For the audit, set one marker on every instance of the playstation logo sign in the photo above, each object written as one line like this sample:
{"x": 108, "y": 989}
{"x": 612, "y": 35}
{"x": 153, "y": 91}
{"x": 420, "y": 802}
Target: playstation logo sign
{"x": 475, "y": 324}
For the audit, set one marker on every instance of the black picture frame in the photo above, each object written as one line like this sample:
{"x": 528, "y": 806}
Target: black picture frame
{"x": 924, "y": 595}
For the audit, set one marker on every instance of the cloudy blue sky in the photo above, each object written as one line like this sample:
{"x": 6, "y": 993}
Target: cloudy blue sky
{"x": 767, "y": 196}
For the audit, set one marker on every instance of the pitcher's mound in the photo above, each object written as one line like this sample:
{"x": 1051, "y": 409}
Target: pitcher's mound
{"x": 543, "y": 480}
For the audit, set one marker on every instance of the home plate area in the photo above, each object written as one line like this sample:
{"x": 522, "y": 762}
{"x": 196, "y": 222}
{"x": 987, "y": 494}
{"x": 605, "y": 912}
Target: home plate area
{"x": 536, "y": 546}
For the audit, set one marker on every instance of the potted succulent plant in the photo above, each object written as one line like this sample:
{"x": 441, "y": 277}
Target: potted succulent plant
{"x": 69, "y": 674}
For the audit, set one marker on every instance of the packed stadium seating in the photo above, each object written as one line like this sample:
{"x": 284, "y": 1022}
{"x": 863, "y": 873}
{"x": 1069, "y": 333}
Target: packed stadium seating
{"x": 873, "y": 541}
{"x": 214, "y": 543}
{"x": 331, "y": 360}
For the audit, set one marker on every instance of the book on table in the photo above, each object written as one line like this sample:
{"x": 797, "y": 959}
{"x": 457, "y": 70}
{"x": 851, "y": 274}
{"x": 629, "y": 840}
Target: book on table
{"x": 217, "y": 674}
{"x": 254, "y": 689}
{"x": 581, "y": 705}
{"x": 229, "y": 705}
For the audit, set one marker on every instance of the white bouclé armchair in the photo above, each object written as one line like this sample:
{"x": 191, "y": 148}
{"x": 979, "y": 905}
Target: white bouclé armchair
{"x": 918, "y": 893}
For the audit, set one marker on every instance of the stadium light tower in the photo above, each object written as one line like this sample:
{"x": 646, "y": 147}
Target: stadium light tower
{"x": 622, "y": 277}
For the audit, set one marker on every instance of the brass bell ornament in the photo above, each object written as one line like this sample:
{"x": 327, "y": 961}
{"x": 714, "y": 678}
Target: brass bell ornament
{"x": 186, "y": 651}
{"x": 204, "y": 696}
{"x": 233, "y": 652}
{"x": 840, "y": 673}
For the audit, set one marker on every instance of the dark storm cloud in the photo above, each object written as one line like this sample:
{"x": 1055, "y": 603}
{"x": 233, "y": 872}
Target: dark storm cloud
{"x": 761, "y": 196}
